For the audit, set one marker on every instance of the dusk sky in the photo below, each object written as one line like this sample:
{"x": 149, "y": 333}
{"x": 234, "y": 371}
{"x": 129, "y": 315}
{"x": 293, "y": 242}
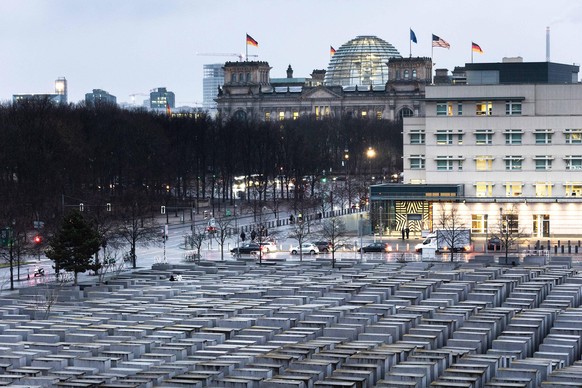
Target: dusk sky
{"x": 132, "y": 46}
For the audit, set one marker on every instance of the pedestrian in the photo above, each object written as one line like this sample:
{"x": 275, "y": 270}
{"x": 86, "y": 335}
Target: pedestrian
{"x": 403, "y": 233}
{"x": 243, "y": 236}
{"x": 407, "y": 232}
{"x": 291, "y": 219}
{"x": 253, "y": 235}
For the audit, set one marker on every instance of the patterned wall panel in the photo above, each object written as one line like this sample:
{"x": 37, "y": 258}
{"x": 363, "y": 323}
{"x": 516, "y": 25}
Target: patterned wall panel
{"x": 415, "y": 215}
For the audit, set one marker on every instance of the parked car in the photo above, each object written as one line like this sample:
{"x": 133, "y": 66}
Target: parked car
{"x": 269, "y": 246}
{"x": 307, "y": 248}
{"x": 374, "y": 247}
{"x": 494, "y": 244}
{"x": 323, "y": 246}
{"x": 246, "y": 249}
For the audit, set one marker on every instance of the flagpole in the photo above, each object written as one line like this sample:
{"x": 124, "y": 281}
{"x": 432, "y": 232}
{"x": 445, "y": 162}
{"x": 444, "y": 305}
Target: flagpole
{"x": 246, "y": 49}
{"x": 431, "y": 62}
{"x": 471, "y": 52}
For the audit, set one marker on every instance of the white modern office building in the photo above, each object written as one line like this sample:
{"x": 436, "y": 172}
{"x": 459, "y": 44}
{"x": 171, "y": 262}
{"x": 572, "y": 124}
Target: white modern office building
{"x": 509, "y": 142}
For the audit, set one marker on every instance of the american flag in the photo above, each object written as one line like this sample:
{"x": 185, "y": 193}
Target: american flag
{"x": 438, "y": 42}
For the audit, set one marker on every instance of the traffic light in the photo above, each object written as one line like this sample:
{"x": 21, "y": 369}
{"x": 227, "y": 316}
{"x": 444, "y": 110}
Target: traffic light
{"x": 37, "y": 239}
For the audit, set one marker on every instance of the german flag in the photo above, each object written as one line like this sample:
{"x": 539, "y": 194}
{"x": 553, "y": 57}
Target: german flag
{"x": 476, "y": 48}
{"x": 331, "y": 50}
{"x": 251, "y": 41}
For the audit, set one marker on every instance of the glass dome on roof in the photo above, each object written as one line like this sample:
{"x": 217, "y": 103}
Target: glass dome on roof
{"x": 361, "y": 61}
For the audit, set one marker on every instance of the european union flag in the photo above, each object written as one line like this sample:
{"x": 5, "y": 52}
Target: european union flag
{"x": 413, "y": 36}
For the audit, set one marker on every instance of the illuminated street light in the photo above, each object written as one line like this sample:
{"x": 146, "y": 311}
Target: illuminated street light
{"x": 370, "y": 154}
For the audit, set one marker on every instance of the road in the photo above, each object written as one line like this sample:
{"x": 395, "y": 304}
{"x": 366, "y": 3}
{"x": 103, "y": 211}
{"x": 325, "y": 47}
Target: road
{"x": 173, "y": 252}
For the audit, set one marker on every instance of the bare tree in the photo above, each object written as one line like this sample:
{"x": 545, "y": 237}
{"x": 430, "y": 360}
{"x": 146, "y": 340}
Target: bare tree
{"x": 508, "y": 230}
{"x": 196, "y": 240}
{"x": 299, "y": 232}
{"x": 451, "y": 230}
{"x": 112, "y": 264}
{"x": 261, "y": 230}
{"x": 47, "y": 295}
{"x": 334, "y": 231}
{"x": 137, "y": 229}
{"x": 220, "y": 232}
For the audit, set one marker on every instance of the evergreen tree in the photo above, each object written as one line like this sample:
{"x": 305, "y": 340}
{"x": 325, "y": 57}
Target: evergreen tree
{"x": 74, "y": 245}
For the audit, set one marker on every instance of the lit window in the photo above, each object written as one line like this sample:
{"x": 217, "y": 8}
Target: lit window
{"x": 479, "y": 223}
{"x": 512, "y": 107}
{"x": 417, "y": 138}
{"x": 483, "y": 189}
{"x": 267, "y": 116}
{"x": 364, "y": 114}
{"x": 444, "y": 137}
{"x": 379, "y": 115}
{"x": 513, "y": 189}
{"x": 573, "y": 189}
{"x": 483, "y": 163}
{"x": 513, "y": 163}
{"x": 484, "y": 108}
{"x": 513, "y": 136}
{"x": 573, "y": 136}
{"x": 543, "y": 189}
{"x": 295, "y": 115}
{"x": 281, "y": 116}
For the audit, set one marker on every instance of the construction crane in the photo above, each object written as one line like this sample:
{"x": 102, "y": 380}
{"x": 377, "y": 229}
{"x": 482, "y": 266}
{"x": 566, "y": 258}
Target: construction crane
{"x": 239, "y": 56}
{"x": 190, "y": 103}
{"x": 136, "y": 94}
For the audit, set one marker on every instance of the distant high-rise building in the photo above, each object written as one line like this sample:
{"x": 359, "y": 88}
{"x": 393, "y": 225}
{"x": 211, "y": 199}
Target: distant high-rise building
{"x": 160, "y": 98}
{"x": 212, "y": 81}
{"x": 61, "y": 88}
{"x": 58, "y": 97}
{"x": 99, "y": 96}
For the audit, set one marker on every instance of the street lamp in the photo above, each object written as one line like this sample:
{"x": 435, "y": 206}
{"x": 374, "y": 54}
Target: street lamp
{"x": 370, "y": 154}
{"x": 347, "y": 182}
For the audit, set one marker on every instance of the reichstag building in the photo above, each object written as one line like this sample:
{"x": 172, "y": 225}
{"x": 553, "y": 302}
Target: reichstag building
{"x": 366, "y": 77}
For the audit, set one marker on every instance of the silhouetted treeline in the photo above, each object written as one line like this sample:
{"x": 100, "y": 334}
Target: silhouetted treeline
{"x": 51, "y": 156}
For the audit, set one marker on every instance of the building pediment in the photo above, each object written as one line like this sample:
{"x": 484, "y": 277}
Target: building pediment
{"x": 321, "y": 92}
